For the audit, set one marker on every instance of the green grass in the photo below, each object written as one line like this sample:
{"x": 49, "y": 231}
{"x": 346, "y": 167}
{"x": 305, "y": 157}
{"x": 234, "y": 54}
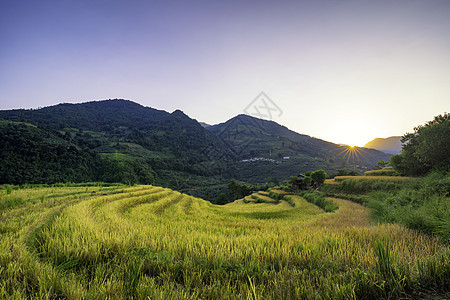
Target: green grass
{"x": 366, "y": 184}
{"x": 146, "y": 242}
{"x": 424, "y": 206}
{"x": 397, "y": 179}
{"x": 386, "y": 171}
{"x": 319, "y": 200}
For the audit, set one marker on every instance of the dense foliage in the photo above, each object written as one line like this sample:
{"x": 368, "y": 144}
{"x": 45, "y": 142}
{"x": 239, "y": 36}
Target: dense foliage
{"x": 319, "y": 200}
{"x": 426, "y": 149}
{"x": 423, "y": 205}
{"x": 29, "y": 154}
{"x": 318, "y": 177}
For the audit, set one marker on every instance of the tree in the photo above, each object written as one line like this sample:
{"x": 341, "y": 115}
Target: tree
{"x": 425, "y": 149}
{"x": 319, "y": 177}
{"x": 342, "y": 172}
{"x": 381, "y": 164}
{"x": 223, "y": 199}
{"x": 239, "y": 190}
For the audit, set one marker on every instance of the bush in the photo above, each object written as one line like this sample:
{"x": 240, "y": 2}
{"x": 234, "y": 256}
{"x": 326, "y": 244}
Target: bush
{"x": 359, "y": 186}
{"x": 387, "y": 171}
{"x": 424, "y": 205}
{"x": 257, "y": 199}
{"x": 222, "y": 199}
{"x": 354, "y": 198}
{"x": 320, "y": 201}
{"x": 276, "y": 195}
{"x": 290, "y": 201}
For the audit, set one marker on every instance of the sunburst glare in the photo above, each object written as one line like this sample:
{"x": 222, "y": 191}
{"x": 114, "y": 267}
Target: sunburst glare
{"x": 351, "y": 154}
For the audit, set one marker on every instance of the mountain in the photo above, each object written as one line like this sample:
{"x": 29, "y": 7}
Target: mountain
{"x": 250, "y": 136}
{"x": 268, "y": 150}
{"x": 141, "y": 140}
{"x": 126, "y": 123}
{"x": 390, "y": 145}
{"x": 122, "y": 141}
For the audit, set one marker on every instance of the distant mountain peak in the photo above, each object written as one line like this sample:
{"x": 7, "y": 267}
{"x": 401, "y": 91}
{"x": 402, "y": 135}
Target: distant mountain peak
{"x": 253, "y": 137}
{"x": 179, "y": 114}
{"x": 390, "y": 145}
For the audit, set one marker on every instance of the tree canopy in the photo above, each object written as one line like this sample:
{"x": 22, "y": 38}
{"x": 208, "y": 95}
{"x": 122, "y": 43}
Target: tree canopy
{"x": 426, "y": 149}
{"x": 319, "y": 177}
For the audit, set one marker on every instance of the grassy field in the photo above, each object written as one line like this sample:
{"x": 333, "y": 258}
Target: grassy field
{"x": 146, "y": 242}
{"x": 397, "y": 179}
{"x": 365, "y": 184}
{"x": 421, "y": 203}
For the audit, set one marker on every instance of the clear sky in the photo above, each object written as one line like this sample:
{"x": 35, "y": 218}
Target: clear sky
{"x": 345, "y": 71}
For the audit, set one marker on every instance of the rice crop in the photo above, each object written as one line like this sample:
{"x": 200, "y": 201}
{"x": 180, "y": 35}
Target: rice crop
{"x": 146, "y": 242}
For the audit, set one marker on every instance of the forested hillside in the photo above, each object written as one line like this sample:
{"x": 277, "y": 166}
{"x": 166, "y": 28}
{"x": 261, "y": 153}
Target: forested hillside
{"x": 29, "y": 154}
{"x": 251, "y": 138}
{"x": 122, "y": 141}
{"x": 129, "y": 143}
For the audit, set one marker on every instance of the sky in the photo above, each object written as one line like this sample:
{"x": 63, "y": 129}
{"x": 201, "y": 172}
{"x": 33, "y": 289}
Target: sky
{"x": 344, "y": 71}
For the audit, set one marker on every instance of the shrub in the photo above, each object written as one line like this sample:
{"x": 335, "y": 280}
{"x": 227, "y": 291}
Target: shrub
{"x": 360, "y": 199}
{"x": 387, "y": 171}
{"x": 423, "y": 205}
{"x": 320, "y": 201}
{"x": 276, "y": 195}
{"x": 290, "y": 201}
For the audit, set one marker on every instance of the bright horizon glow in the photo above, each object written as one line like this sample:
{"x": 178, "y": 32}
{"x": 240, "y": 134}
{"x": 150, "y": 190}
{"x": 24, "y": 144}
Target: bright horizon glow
{"x": 343, "y": 71}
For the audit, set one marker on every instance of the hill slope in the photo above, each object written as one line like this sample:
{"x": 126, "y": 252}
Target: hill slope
{"x": 120, "y": 130}
{"x": 390, "y": 145}
{"x": 139, "y": 141}
{"x": 251, "y": 138}
{"x": 126, "y": 121}
{"x": 29, "y": 154}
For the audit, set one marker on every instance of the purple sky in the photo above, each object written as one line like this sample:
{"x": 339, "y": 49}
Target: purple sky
{"x": 344, "y": 71}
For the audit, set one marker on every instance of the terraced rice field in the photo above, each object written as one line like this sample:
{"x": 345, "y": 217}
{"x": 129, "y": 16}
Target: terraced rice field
{"x": 397, "y": 179}
{"x": 146, "y": 242}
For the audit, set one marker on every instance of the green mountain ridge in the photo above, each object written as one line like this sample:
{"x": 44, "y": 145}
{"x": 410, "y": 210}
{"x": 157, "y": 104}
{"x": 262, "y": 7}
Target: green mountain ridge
{"x": 252, "y": 137}
{"x": 128, "y": 142}
{"x": 123, "y": 121}
{"x": 271, "y": 136}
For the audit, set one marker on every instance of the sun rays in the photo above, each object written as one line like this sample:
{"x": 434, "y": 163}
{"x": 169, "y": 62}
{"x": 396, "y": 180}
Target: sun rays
{"x": 351, "y": 154}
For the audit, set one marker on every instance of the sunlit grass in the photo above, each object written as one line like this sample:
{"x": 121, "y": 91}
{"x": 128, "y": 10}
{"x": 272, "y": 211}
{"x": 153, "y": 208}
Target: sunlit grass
{"x": 399, "y": 179}
{"x": 145, "y": 241}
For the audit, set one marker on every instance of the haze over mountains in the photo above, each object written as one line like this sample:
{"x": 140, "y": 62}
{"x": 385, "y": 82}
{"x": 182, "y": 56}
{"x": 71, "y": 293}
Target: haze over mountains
{"x": 390, "y": 145}
{"x": 144, "y": 145}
